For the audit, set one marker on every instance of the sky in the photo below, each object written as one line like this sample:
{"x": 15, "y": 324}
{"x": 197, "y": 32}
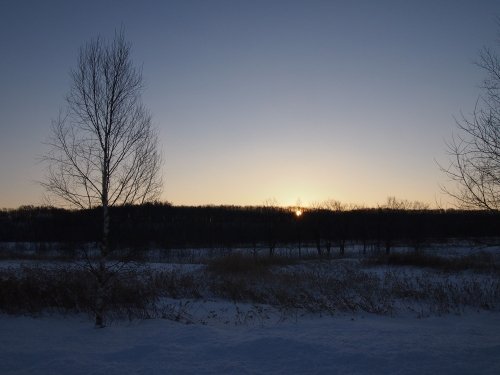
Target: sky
{"x": 259, "y": 100}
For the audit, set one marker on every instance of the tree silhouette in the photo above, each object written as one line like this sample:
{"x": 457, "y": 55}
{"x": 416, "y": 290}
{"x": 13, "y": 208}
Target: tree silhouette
{"x": 103, "y": 148}
{"x": 475, "y": 149}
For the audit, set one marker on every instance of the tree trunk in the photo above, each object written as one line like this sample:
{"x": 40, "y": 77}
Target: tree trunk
{"x": 100, "y": 296}
{"x": 102, "y": 276}
{"x": 318, "y": 246}
{"x": 342, "y": 248}
{"x": 272, "y": 246}
{"x": 328, "y": 248}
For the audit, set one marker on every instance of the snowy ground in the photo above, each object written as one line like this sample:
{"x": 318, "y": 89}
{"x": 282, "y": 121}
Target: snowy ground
{"x": 358, "y": 344}
{"x": 244, "y": 338}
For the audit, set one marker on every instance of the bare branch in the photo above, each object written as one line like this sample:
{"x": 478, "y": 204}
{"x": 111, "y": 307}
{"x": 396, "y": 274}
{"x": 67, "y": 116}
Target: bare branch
{"x": 103, "y": 150}
{"x": 474, "y": 152}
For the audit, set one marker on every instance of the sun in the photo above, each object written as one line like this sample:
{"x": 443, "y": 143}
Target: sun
{"x": 298, "y": 212}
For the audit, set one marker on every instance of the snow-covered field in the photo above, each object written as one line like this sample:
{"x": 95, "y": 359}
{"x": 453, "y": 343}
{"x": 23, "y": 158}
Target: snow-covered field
{"x": 454, "y": 331}
{"x": 357, "y": 344}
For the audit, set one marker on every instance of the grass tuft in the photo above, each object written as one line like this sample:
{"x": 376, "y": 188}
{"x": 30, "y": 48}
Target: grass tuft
{"x": 238, "y": 263}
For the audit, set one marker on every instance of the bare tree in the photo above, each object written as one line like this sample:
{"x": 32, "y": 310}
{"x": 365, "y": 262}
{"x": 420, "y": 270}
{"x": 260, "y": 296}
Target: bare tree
{"x": 394, "y": 203}
{"x": 475, "y": 149}
{"x": 103, "y": 148}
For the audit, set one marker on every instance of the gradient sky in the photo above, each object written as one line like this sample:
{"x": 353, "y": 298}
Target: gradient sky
{"x": 309, "y": 100}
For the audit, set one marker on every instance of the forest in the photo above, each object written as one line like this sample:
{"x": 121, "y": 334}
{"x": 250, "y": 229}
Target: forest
{"x": 165, "y": 226}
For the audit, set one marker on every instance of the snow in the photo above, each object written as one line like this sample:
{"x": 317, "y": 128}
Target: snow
{"x": 225, "y": 337}
{"x": 344, "y": 344}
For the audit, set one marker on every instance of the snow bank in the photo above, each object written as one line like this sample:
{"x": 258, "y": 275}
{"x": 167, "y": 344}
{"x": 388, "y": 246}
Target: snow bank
{"x": 468, "y": 344}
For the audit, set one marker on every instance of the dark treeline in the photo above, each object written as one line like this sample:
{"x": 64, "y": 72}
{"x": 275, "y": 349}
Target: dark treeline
{"x": 168, "y": 226}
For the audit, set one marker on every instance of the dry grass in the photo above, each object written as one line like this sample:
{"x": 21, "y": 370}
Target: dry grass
{"x": 314, "y": 286}
{"x": 239, "y": 263}
{"x": 34, "y": 290}
{"x": 479, "y": 262}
